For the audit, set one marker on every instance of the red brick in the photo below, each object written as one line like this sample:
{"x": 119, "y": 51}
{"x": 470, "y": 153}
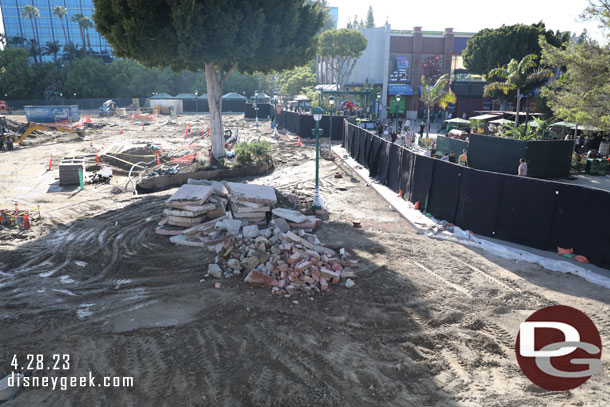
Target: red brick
{"x": 303, "y": 265}
{"x": 323, "y": 284}
{"x": 309, "y": 280}
{"x": 330, "y": 274}
{"x": 337, "y": 267}
{"x": 353, "y": 263}
{"x": 258, "y": 277}
{"x": 294, "y": 258}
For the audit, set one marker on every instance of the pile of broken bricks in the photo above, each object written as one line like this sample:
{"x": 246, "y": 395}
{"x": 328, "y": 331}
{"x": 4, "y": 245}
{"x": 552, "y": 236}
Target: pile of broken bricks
{"x": 288, "y": 262}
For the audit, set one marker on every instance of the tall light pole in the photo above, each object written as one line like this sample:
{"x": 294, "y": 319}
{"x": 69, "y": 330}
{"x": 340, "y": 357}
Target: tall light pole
{"x": 196, "y": 104}
{"x": 255, "y": 106}
{"x": 61, "y": 95}
{"x": 331, "y": 100}
{"x": 396, "y": 115}
{"x": 378, "y": 104}
{"x": 317, "y": 116}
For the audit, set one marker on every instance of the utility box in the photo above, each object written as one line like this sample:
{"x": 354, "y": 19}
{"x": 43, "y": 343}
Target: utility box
{"x": 69, "y": 168}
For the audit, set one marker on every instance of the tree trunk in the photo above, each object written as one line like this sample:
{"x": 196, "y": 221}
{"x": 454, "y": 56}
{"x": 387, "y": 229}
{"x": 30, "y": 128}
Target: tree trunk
{"x": 82, "y": 36}
{"x": 215, "y": 104}
{"x": 63, "y": 27}
{"x": 34, "y": 34}
{"x": 518, "y": 106}
{"x": 89, "y": 43}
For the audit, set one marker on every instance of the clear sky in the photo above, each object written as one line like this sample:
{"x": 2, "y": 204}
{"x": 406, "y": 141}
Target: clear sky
{"x": 469, "y": 15}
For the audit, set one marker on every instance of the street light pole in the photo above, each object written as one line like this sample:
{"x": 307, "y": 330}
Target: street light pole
{"x": 331, "y": 100}
{"x": 378, "y": 104}
{"x": 396, "y": 115}
{"x": 317, "y": 116}
{"x": 255, "y": 106}
{"x": 196, "y": 104}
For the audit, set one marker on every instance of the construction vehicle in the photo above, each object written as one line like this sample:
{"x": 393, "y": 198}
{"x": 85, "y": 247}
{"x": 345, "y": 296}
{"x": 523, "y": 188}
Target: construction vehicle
{"x": 8, "y": 138}
{"x": 5, "y": 108}
{"x": 108, "y": 108}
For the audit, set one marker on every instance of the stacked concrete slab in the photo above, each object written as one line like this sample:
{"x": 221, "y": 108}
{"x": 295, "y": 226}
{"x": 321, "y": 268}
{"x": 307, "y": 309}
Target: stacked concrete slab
{"x": 251, "y": 202}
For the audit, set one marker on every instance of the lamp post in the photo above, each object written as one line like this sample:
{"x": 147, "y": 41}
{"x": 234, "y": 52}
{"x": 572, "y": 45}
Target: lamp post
{"x": 196, "y": 104}
{"x": 396, "y": 115}
{"x": 255, "y": 106}
{"x": 378, "y": 104}
{"x": 317, "y": 116}
{"x": 61, "y": 95}
{"x": 331, "y": 101}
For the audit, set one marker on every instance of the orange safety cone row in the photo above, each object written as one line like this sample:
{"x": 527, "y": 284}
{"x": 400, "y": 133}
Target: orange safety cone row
{"x": 50, "y": 162}
{"x": 299, "y": 142}
{"x": 26, "y": 221}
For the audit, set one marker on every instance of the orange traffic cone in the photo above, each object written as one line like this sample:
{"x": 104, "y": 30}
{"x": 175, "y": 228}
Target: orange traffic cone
{"x": 142, "y": 126}
{"x": 87, "y": 120}
{"x": 50, "y": 162}
{"x": 97, "y": 157}
{"x": 26, "y": 221}
{"x": 416, "y": 206}
{"x": 121, "y": 131}
{"x": 186, "y": 132}
{"x": 399, "y": 193}
{"x": 158, "y": 160}
{"x": 299, "y": 142}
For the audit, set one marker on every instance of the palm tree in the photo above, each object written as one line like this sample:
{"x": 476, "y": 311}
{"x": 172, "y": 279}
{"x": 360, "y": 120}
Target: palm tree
{"x": 86, "y": 22}
{"x": 517, "y": 76}
{"x": 31, "y": 12}
{"x": 52, "y": 48}
{"x": 437, "y": 94}
{"x": 61, "y": 12}
{"x": 78, "y": 18}
{"x": 70, "y": 52}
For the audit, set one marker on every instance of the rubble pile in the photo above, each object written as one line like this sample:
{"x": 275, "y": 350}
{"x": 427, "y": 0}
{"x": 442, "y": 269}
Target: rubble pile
{"x": 285, "y": 254}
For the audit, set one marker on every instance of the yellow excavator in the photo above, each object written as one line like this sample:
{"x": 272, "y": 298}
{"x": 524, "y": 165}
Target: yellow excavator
{"x": 8, "y": 138}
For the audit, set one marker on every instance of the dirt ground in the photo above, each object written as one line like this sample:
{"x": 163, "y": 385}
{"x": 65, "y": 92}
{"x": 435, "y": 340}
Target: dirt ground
{"x": 429, "y": 323}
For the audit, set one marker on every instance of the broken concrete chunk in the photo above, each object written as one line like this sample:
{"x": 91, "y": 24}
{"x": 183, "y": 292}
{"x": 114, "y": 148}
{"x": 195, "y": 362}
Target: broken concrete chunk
{"x": 215, "y": 270}
{"x": 349, "y": 283}
{"x": 232, "y": 226}
{"x": 281, "y": 224}
{"x": 250, "y": 232}
{"x": 289, "y": 214}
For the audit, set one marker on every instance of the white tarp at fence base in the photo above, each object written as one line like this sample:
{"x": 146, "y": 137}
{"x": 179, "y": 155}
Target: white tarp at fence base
{"x": 174, "y": 104}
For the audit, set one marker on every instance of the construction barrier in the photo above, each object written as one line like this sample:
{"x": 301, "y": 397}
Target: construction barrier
{"x": 533, "y": 212}
{"x": 302, "y": 124}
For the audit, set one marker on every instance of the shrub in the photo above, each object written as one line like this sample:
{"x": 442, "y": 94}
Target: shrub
{"x": 255, "y": 152}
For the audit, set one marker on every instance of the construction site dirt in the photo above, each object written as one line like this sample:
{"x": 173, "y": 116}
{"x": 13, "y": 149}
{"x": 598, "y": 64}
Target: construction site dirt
{"x": 428, "y": 323}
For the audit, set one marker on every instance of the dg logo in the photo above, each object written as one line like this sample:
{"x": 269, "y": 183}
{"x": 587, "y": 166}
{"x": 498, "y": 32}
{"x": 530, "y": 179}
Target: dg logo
{"x": 559, "y": 348}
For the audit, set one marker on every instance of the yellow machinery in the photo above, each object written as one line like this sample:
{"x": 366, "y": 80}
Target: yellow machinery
{"x": 26, "y": 130}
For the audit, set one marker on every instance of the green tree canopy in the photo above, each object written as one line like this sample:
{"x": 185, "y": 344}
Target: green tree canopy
{"x": 218, "y": 35}
{"x": 293, "y": 81}
{"x": 518, "y": 76}
{"x": 438, "y": 94}
{"x": 370, "y": 19}
{"x": 492, "y": 48}
{"x": 341, "y": 48}
{"x": 582, "y": 93}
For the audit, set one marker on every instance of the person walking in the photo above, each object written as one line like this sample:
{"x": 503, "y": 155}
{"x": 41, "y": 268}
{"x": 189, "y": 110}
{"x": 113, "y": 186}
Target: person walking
{"x": 421, "y": 129}
{"x": 452, "y": 157}
{"x": 445, "y": 157}
{"x": 522, "y": 170}
{"x": 463, "y": 159}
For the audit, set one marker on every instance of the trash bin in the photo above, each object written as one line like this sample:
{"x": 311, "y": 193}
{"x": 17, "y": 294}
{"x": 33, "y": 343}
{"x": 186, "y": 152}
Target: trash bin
{"x": 596, "y": 166}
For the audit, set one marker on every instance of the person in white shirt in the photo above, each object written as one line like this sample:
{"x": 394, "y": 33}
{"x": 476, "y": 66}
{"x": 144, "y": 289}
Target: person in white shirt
{"x": 522, "y": 171}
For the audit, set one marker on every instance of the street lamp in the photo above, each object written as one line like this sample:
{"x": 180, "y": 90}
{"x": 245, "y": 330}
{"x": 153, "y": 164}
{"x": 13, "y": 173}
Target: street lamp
{"x": 396, "y": 115}
{"x": 61, "y": 95}
{"x": 317, "y": 116}
{"x": 196, "y": 105}
{"x": 331, "y": 100}
{"x": 255, "y": 106}
{"x": 378, "y": 104}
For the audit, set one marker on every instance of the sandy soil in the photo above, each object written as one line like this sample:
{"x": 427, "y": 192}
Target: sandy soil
{"x": 428, "y": 323}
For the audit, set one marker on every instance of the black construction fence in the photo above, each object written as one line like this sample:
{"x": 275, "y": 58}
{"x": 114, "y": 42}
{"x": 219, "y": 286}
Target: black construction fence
{"x": 532, "y": 212}
{"x": 545, "y": 159}
{"x": 265, "y": 111}
{"x": 83, "y": 104}
{"x": 302, "y": 124}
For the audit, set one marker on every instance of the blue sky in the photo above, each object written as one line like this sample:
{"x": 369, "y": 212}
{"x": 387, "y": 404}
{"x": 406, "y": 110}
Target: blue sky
{"x": 470, "y": 15}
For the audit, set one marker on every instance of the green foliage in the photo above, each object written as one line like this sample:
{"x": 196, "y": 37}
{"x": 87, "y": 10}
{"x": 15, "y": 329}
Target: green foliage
{"x": 257, "y": 35}
{"x": 582, "y": 92}
{"x": 16, "y": 74}
{"x": 492, "y": 48}
{"x": 342, "y": 48}
{"x": 370, "y": 19}
{"x": 255, "y": 152}
{"x": 293, "y": 81}
{"x": 598, "y": 10}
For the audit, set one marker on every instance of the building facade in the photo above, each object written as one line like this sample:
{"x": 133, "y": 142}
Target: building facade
{"x": 48, "y": 27}
{"x": 396, "y": 61}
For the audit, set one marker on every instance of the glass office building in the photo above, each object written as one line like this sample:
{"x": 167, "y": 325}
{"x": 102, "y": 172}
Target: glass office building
{"x": 48, "y": 27}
